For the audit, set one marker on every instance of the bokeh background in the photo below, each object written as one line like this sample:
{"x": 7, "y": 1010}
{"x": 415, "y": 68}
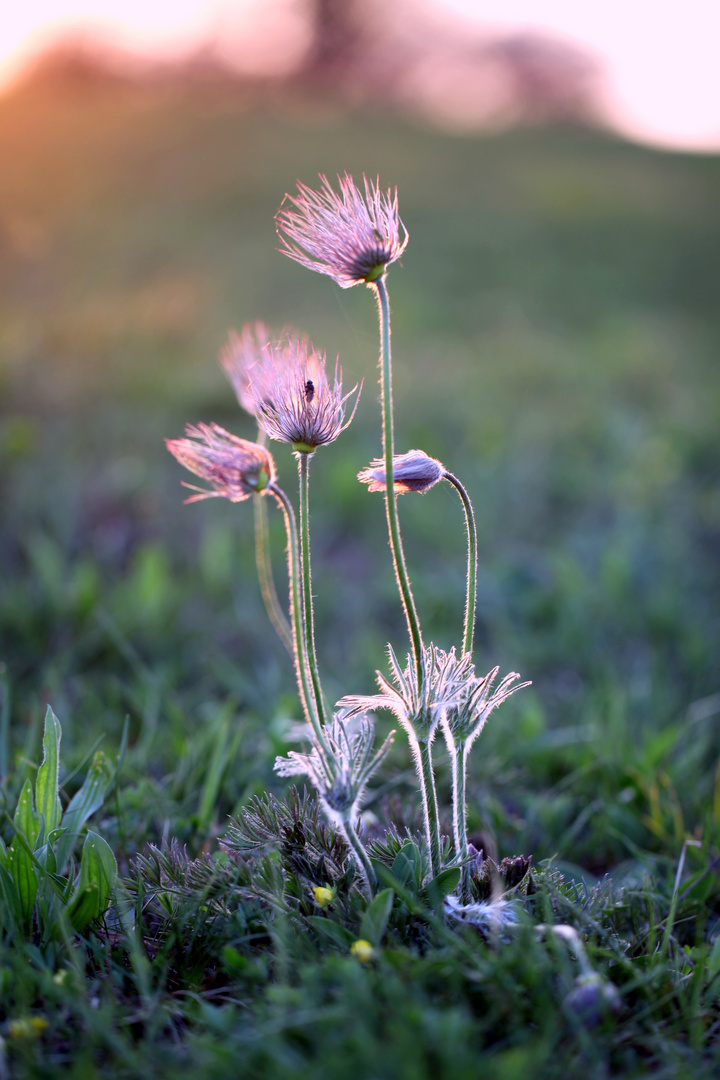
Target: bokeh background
{"x": 556, "y": 337}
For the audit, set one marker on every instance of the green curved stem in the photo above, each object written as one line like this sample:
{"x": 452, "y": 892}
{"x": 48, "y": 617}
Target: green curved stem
{"x": 401, "y": 573}
{"x": 264, "y": 568}
{"x": 361, "y": 855}
{"x": 432, "y": 826}
{"x": 458, "y": 760}
{"x": 471, "y": 599}
{"x": 304, "y": 471}
{"x": 300, "y": 652}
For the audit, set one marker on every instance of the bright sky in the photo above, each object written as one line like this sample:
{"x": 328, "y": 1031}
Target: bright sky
{"x": 660, "y": 57}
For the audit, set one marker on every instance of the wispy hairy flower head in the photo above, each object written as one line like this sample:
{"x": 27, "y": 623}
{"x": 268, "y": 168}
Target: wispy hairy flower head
{"x": 293, "y": 399}
{"x": 235, "y": 467}
{"x": 466, "y": 717}
{"x": 352, "y": 237}
{"x": 341, "y": 776}
{"x": 419, "y": 708}
{"x": 489, "y": 916}
{"x": 413, "y": 471}
{"x": 239, "y": 354}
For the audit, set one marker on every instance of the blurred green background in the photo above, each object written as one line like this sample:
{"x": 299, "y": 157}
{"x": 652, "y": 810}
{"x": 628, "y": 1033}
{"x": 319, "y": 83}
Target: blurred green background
{"x": 556, "y": 335}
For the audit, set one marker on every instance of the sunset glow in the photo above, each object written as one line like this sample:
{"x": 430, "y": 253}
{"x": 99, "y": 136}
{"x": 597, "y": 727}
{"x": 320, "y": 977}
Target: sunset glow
{"x": 661, "y": 78}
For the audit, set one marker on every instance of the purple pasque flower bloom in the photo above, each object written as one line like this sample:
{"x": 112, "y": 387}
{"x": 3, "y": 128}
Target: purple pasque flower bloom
{"x": 239, "y": 354}
{"x": 353, "y": 237}
{"x": 413, "y": 471}
{"x": 235, "y": 467}
{"x": 294, "y": 401}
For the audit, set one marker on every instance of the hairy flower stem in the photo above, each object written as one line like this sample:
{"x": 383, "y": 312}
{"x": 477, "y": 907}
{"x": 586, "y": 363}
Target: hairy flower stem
{"x": 423, "y": 759}
{"x": 401, "y": 573}
{"x": 304, "y": 471}
{"x": 423, "y": 751}
{"x": 471, "y": 599}
{"x": 361, "y": 856}
{"x": 264, "y": 568}
{"x": 458, "y": 760}
{"x": 300, "y": 651}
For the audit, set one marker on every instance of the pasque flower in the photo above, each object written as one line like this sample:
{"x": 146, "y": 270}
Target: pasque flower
{"x": 353, "y": 237}
{"x": 340, "y": 774}
{"x": 418, "y": 707}
{"x": 467, "y": 716}
{"x": 293, "y": 399}
{"x": 413, "y": 471}
{"x": 235, "y": 467}
{"x": 239, "y": 354}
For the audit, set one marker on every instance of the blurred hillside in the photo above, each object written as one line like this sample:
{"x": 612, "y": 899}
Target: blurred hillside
{"x": 555, "y": 341}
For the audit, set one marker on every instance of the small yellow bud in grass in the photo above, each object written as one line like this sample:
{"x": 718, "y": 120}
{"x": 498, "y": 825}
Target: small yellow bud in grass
{"x": 27, "y": 1027}
{"x": 323, "y": 896}
{"x": 363, "y": 950}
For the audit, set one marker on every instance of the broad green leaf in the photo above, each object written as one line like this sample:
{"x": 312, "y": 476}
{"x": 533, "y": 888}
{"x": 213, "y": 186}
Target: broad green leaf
{"x": 20, "y": 854}
{"x": 331, "y": 930}
{"x": 46, "y": 785}
{"x": 25, "y": 818}
{"x": 10, "y": 907}
{"x": 98, "y": 871}
{"x": 375, "y": 919}
{"x": 407, "y": 865}
{"x": 83, "y": 804}
{"x": 45, "y": 855}
{"x": 441, "y": 885}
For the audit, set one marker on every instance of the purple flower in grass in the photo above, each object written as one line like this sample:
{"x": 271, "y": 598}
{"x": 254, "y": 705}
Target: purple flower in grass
{"x": 352, "y": 237}
{"x": 414, "y": 471}
{"x": 295, "y": 401}
{"x": 235, "y": 467}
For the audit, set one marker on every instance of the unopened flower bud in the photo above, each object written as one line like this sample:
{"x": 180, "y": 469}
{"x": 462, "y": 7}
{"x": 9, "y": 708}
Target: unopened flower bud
{"x": 413, "y": 471}
{"x": 323, "y": 895}
{"x": 591, "y": 997}
{"x": 363, "y": 950}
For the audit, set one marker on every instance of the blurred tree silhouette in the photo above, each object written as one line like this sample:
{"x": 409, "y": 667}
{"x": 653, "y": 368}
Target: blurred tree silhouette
{"x": 339, "y": 42}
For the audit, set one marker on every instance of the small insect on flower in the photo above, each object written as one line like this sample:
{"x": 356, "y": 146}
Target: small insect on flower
{"x": 362, "y": 950}
{"x": 294, "y": 400}
{"x": 235, "y": 467}
{"x": 414, "y": 471}
{"x": 352, "y": 237}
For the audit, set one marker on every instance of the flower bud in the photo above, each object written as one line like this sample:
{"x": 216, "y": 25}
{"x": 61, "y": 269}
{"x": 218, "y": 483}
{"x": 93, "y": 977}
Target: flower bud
{"x": 413, "y": 471}
{"x": 363, "y": 950}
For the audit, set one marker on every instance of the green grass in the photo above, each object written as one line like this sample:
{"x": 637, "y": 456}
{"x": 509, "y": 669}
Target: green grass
{"x": 555, "y": 345}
